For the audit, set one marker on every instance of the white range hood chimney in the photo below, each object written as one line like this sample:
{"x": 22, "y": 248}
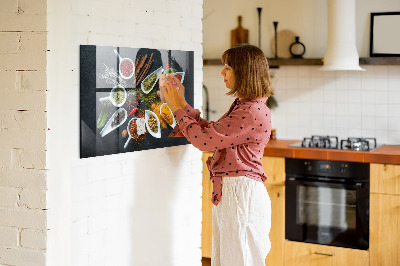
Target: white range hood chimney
{"x": 341, "y": 51}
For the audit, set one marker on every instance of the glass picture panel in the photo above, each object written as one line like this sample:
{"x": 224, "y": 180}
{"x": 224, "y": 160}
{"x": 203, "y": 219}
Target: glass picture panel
{"x": 121, "y": 106}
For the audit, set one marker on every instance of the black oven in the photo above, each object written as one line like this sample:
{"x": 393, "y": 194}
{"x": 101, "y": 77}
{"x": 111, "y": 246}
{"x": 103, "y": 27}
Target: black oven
{"x": 327, "y": 202}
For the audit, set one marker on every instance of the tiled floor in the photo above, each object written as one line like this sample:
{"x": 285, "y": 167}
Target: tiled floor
{"x": 206, "y": 261}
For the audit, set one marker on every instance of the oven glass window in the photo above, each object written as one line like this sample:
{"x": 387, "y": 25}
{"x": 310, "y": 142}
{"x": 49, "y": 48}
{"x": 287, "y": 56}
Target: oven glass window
{"x": 326, "y": 207}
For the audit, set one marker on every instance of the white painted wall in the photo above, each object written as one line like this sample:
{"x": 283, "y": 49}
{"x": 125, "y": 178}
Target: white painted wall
{"x": 140, "y": 208}
{"x": 343, "y": 104}
{"x": 306, "y": 19}
{"x": 23, "y": 133}
{"x": 311, "y": 102}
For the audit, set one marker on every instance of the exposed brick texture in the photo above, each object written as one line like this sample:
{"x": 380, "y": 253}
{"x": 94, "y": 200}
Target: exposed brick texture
{"x": 23, "y": 125}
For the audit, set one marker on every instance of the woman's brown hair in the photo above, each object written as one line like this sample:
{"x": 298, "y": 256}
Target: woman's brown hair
{"x": 250, "y": 66}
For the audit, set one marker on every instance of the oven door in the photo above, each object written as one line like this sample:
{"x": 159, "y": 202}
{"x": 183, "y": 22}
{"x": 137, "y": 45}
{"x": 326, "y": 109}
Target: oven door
{"x": 327, "y": 213}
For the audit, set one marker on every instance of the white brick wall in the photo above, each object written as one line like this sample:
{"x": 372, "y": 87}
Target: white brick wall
{"x": 9, "y": 197}
{"x": 9, "y": 237}
{"x": 23, "y": 126}
{"x": 140, "y": 208}
{"x": 34, "y": 239}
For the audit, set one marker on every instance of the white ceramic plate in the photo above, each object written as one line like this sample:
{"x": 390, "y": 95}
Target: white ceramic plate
{"x": 182, "y": 74}
{"x": 139, "y": 123}
{"x": 108, "y": 128}
{"x": 174, "y": 121}
{"x": 157, "y": 72}
{"x": 147, "y": 114}
{"x": 130, "y": 62}
{"x": 111, "y": 99}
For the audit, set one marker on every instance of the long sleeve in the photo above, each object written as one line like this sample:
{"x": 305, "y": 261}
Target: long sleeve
{"x": 193, "y": 113}
{"x": 238, "y": 140}
{"x": 231, "y": 130}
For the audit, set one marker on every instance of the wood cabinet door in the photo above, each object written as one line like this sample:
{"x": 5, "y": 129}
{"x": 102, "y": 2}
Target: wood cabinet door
{"x": 385, "y": 178}
{"x": 384, "y": 236}
{"x": 206, "y": 226}
{"x": 277, "y": 233}
{"x": 274, "y": 168}
{"x": 304, "y": 254}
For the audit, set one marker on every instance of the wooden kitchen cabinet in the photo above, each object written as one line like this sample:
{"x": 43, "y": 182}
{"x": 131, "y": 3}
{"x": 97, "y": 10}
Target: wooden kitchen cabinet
{"x": 305, "y": 254}
{"x": 385, "y": 215}
{"x": 277, "y": 233}
{"x": 274, "y": 168}
{"x": 384, "y": 236}
{"x": 385, "y": 178}
{"x": 206, "y": 225}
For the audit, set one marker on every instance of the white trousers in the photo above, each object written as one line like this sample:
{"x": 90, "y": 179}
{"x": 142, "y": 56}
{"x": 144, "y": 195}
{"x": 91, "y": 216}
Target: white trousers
{"x": 241, "y": 223}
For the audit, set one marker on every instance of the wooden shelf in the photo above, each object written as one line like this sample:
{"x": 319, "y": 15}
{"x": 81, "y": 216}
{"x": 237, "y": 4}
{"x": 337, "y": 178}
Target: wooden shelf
{"x": 212, "y": 62}
{"x": 274, "y": 63}
{"x": 380, "y": 61}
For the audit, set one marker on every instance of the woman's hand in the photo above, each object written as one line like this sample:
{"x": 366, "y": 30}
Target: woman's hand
{"x": 174, "y": 93}
{"x": 181, "y": 92}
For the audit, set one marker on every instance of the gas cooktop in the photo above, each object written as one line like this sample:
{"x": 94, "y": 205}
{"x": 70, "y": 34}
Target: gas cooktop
{"x": 332, "y": 142}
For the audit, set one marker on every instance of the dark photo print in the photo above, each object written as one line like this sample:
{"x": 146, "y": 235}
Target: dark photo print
{"x": 122, "y": 108}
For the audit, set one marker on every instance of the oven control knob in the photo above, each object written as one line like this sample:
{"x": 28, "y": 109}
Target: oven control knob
{"x": 308, "y": 166}
{"x": 343, "y": 168}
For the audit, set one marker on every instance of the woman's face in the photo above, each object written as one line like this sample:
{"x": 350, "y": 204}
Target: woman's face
{"x": 229, "y": 76}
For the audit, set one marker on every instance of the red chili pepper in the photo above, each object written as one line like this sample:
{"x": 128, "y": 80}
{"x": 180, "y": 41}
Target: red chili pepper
{"x": 132, "y": 111}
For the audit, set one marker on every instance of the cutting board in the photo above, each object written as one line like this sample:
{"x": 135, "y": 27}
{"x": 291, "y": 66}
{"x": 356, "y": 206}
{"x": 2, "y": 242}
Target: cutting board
{"x": 239, "y": 35}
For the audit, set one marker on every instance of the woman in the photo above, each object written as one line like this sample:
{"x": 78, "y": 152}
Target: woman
{"x": 242, "y": 208}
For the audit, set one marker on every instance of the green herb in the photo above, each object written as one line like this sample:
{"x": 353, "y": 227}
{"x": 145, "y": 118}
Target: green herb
{"x": 101, "y": 121}
{"x": 170, "y": 71}
{"x": 146, "y": 100}
{"x": 149, "y": 82}
{"x": 118, "y": 95}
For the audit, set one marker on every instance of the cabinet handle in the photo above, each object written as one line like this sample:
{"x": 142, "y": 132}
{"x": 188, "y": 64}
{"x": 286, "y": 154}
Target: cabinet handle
{"x": 324, "y": 254}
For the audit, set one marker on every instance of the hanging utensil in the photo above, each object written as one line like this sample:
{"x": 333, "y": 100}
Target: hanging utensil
{"x": 259, "y": 9}
{"x": 276, "y": 38}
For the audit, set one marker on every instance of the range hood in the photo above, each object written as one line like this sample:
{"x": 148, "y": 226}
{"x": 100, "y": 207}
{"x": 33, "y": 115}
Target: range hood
{"x": 341, "y": 51}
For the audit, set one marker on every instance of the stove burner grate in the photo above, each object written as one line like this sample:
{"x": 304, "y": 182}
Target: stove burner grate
{"x": 358, "y": 144}
{"x": 327, "y": 142}
{"x": 332, "y": 142}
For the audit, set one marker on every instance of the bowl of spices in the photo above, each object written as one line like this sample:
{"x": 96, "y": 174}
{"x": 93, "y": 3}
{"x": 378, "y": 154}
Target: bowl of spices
{"x": 135, "y": 128}
{"x": 126, "y": 68}
{"x": 117, "y": 96}
{"x": 167, "y": 115}
{"x": 116, "y": 120}
{"x": 152, "y": 124}
{"x": 148, "y": 83}
{"x": 180, "y": 76}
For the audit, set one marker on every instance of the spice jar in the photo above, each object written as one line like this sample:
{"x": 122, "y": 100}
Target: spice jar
{"x": 273, "y": 134}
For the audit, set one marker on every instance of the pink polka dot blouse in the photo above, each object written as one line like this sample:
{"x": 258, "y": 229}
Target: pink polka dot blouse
{"x": 238, "y": 139}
